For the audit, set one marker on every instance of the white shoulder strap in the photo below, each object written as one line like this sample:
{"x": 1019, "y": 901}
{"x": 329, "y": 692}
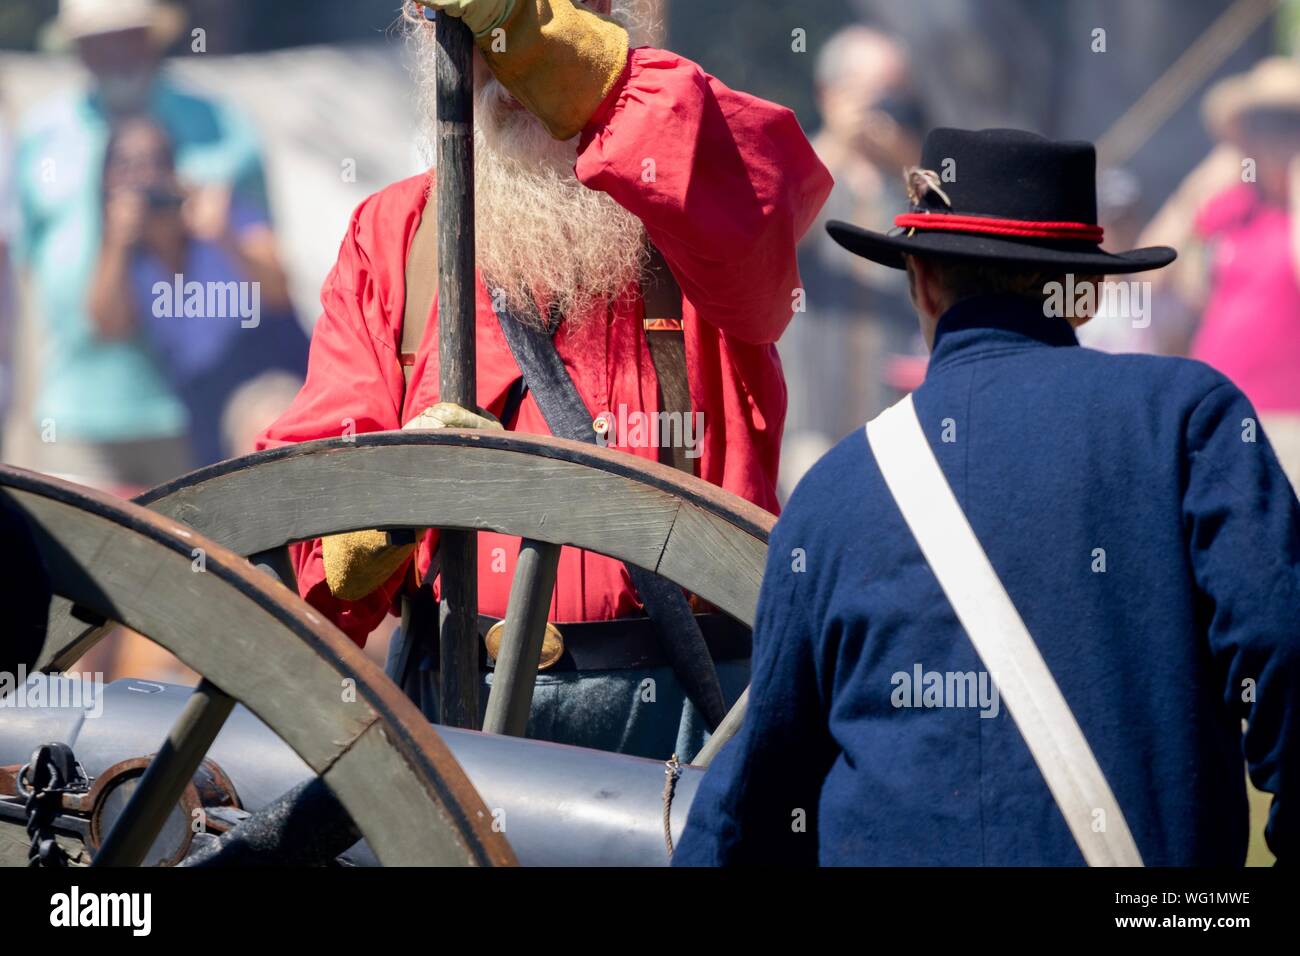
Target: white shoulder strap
{"x": 1003, "y": 643}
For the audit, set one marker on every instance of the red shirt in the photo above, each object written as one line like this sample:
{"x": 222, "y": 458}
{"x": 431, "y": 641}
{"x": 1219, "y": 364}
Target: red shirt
{"x": 736, "y": 186}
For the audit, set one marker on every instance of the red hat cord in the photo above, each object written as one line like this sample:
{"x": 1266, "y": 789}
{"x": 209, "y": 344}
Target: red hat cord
{"x": 921, "y": 182}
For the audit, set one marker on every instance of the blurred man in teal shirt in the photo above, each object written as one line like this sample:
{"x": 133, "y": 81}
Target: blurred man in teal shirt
{"x": 104, "y": 411}
{"x": 8, "y": 229}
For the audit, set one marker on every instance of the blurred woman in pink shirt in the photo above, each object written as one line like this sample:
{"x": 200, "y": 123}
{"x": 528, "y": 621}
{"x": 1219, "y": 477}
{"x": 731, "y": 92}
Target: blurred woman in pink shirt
{"x": 1248, "y": 234}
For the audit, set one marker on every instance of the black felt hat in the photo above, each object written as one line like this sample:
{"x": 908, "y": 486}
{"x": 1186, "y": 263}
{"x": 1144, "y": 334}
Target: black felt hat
{"x": 1002, "y": 196}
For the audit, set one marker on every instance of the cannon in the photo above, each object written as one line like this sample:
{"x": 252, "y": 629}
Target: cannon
{"x": 285, "y": 697}
{"x": 557, "y": 805}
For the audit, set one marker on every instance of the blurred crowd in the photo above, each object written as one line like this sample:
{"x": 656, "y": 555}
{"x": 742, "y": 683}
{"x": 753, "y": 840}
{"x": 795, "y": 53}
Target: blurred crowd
{"x": 142, "y": 260}
{"x": 1232, "y": 300}
{"x": 137, "y": 214}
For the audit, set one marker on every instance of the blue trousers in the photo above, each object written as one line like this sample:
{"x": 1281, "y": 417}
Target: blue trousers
{"x": 642, "y": 712}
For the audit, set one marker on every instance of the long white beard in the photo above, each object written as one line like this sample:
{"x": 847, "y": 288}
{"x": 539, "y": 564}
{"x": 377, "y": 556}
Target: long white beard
{"x": 542, "y": 235}
{"x": 543, "y": 238}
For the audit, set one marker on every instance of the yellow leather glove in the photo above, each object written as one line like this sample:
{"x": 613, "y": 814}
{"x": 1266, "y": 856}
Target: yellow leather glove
{"x": 481, "y": 16}
{"x": 447, "y": 415}
{"x": 559, "y": 59}
{"x": 358, "y": 563}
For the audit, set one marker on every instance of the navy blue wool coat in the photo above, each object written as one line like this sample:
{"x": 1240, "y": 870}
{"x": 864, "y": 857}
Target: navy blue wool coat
{"x": 1148, "y": 537}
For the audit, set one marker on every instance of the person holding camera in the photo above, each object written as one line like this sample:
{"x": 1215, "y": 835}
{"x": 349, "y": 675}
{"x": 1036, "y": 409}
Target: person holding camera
{"x": 103, "y": 410}
{"x": 187, "y": 273}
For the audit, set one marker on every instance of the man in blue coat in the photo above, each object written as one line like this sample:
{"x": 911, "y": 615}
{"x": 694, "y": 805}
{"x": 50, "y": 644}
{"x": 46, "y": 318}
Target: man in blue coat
{"x": 1024, "y": 617}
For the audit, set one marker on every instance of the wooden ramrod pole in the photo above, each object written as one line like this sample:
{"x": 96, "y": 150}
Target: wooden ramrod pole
{"x": 459, "y": 673}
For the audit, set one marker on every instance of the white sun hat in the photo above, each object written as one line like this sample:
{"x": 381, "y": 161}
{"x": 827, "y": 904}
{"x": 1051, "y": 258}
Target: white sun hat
{"x": 78, "y": 19}
{"x": 1274, "y": 83}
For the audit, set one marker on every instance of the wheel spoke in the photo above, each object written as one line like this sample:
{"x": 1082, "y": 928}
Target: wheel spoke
{"x": 169, "y": 772}
{"x": 513, "y": 679}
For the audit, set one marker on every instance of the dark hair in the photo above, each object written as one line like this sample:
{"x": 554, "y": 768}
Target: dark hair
{"x": 165, "y": 199}
{"x": 965, "y": 279}
{"x": 125, "y": 125}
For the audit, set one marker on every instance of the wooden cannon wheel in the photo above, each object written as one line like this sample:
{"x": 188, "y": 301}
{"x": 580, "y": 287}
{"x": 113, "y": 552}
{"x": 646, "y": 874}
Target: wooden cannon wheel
{"x": 258, "y": 645}
{"x": 548, "y": 491}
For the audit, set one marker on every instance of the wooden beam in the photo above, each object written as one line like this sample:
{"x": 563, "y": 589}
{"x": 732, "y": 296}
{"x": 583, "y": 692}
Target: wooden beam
{"x": 457, "y": 313}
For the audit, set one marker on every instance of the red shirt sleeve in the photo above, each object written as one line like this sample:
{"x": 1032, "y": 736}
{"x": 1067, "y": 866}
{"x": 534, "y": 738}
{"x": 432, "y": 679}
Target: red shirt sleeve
{"x": 726, "y": 184}
{"x": 354, "y": 386}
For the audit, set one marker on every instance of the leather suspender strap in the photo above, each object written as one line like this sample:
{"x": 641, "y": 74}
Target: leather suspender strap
{"x": 1001, "y": 639}
{"x": 664, "y": 337}
{"x": 421, "y": 288}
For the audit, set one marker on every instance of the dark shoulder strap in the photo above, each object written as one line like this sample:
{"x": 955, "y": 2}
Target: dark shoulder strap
{"x": 421, "y": 287}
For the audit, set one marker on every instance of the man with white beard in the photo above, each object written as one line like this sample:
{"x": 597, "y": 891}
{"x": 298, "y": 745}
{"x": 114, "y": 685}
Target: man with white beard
{"x": 594, "y": 158}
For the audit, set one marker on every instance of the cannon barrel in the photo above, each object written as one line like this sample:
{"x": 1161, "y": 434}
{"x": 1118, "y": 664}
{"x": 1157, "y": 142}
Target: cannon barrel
{"x": 559, "y": 805}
